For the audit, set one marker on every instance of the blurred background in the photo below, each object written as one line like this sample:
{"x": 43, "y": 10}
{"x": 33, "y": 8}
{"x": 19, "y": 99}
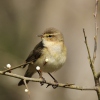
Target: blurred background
{"x": 20, "y": 23}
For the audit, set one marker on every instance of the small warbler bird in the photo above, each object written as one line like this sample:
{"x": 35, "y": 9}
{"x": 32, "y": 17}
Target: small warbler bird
{"x": 52, "y": 49}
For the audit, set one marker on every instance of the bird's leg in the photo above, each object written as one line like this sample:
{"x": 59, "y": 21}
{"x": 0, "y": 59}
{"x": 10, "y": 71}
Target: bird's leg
{"x": 40, "y": 75}
{"x": 53, "y": 78}
{"x": 54, "y": 86}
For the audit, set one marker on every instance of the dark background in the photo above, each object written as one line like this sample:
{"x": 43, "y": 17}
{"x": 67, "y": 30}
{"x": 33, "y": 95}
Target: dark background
{"x": 20, "y": 23}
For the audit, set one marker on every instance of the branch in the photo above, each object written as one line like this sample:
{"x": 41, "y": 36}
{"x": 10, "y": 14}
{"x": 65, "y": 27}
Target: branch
{"x": 27, "y": 88}
{"x": 96, "y": 31}
{"x": 16, "y": 67}
{"x": 90, "y": 60}
{"x": 49, "y": 83}
{"x": 98, "y": 75}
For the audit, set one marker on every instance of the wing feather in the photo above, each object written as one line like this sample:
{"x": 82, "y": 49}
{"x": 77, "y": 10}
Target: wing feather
{"x": 35, "y": 53}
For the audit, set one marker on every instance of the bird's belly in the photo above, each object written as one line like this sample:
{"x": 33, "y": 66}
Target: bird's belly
{"x": 52, "y": 64}
{"x": 50, "y": 67}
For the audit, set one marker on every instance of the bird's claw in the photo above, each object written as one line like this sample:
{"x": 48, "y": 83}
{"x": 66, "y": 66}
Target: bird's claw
{"x": 48, "y": 85}
{"x": 43, "y": 81}
{"x": 55, "y": 86}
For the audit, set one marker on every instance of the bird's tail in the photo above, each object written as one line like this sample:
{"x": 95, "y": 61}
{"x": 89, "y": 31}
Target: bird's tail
{"x": 28, "y": 73}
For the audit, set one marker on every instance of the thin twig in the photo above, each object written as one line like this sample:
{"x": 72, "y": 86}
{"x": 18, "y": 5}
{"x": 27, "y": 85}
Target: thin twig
{"x": 91, "y": 63}
{"x": 95, "y": 49}
{"x": 27, "y": 88}
{"x": 16, "y": 67}
{"x": 96, "y": 32}
{"x": 92, "y": 68}
{"x": 98, "y": 75}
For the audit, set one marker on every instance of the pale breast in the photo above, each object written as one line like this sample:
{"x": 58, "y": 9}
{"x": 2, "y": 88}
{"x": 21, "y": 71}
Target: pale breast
{"x": 56, "y": 58}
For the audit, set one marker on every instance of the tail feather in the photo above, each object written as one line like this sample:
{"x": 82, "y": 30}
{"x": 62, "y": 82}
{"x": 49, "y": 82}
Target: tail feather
{"x": 27, "y": 74}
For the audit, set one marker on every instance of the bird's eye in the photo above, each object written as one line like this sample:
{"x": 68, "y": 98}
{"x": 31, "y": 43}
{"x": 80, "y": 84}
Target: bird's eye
{"x": 49, "y": 36}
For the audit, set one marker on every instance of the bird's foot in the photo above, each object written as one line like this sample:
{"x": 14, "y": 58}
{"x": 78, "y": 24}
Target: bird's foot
{"x": 44, "y": 81}
{"x": 56, "y": 84}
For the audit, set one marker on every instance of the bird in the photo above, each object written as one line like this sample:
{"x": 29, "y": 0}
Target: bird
{"x": 52, "y": 48}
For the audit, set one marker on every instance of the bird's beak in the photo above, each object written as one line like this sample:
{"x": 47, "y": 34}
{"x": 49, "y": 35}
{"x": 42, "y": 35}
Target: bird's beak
{"x": 40, "y": 36}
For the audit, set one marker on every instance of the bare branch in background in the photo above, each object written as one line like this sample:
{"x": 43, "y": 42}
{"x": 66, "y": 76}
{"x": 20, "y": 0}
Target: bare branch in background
{"x": 92, "y": 67}
{"x": 89, "y": 56}
{"x": 96, "y": 31}
{"x": 95, "y": 75}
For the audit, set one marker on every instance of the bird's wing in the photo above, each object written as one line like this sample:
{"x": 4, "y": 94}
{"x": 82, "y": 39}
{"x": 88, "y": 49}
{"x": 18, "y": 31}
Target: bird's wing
{"x": 35, "y": 53}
